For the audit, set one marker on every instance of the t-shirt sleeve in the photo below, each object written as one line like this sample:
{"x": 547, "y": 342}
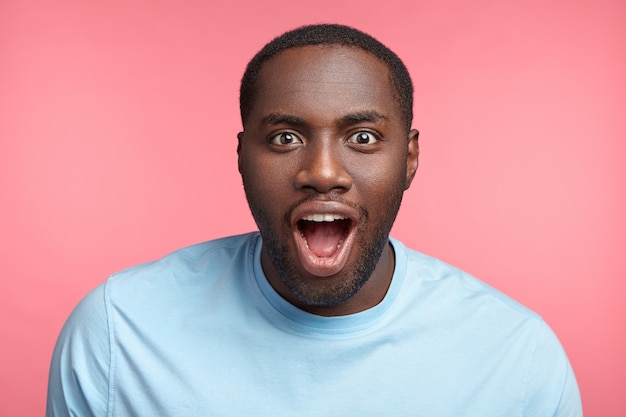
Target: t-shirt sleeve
{"x": 552, "y": 390}
{"x": 78, "y": 384}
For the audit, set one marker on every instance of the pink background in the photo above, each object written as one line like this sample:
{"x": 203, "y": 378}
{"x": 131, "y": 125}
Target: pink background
{"x": 118, "y": 123}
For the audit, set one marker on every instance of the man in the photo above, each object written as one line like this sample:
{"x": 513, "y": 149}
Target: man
{"x": 321, "y": 313}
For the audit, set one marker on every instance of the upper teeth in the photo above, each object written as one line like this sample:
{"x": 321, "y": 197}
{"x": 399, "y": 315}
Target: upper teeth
{"x": 323, "y": 217}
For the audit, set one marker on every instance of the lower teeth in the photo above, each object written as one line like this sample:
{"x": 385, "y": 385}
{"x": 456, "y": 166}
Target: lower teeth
{"x": 305, "y": 241}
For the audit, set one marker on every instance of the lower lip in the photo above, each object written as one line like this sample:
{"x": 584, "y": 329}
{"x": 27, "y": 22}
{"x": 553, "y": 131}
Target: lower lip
{"x": 323, "y": 267}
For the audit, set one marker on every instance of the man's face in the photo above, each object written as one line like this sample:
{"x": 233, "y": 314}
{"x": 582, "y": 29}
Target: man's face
{"x": 325, "y": 159}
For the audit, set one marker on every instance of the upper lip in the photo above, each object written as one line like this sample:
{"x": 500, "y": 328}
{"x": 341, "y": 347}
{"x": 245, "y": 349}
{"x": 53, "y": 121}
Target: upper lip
{"x": 312, "y": 207}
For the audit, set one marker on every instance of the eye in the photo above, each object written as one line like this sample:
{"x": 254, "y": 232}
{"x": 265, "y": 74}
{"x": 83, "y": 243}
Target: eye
{"x": 363, "y": 138}
{"x": 285, "y": 138}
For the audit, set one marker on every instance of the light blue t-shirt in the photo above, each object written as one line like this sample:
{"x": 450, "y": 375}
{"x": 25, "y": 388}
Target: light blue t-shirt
{"x": 202, "y": 333}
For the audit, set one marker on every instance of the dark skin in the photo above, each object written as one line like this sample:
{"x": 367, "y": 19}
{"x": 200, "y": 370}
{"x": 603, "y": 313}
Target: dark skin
{"x": 326, "y": 137}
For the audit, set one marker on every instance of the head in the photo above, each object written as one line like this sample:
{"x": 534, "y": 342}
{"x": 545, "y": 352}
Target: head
{"x": 329, "y": 34}
{"x": 325, "y": 157}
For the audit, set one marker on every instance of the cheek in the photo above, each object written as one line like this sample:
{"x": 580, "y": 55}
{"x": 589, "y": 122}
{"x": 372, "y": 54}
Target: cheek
{"x": 265, "y": 177}
{"x": 377, "y": 178}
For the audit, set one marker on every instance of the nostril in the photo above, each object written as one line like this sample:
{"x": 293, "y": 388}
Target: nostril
{"x": 324, "y": 172}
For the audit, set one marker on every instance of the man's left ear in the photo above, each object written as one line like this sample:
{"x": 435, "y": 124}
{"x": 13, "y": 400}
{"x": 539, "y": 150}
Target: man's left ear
{"x": 239, "y": 139}
{"x": 412, "y": 159}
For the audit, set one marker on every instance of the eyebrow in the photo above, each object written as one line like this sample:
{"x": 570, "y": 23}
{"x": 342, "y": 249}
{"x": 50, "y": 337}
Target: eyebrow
{"x": 362, "y": 116}
{"x": 346, "y": 120}
{"x": 279, "y": 118}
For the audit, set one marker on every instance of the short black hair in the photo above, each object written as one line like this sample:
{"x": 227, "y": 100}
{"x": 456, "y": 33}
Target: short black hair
{"x": 329, "y": 34}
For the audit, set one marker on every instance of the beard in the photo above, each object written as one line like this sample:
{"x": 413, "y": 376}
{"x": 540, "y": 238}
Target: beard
{"x": 370, "y": 241}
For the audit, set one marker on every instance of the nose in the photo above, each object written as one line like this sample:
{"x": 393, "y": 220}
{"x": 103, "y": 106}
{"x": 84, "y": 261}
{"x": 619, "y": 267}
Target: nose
{"x": 323, "y": 168}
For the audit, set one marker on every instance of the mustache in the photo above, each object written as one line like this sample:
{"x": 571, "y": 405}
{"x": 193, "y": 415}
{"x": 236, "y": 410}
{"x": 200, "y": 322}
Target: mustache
{"x": 326, "y": 198}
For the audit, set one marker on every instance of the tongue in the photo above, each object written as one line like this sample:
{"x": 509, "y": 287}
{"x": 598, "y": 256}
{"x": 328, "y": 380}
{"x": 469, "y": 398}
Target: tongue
{"x": 323, "y": 237}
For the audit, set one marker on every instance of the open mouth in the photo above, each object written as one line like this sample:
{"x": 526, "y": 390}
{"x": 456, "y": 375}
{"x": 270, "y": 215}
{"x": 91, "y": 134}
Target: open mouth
{"x": 323, "y": 234}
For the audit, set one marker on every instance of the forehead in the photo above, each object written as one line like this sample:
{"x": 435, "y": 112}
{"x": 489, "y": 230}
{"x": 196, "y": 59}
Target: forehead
{"x": 325, "y": 78}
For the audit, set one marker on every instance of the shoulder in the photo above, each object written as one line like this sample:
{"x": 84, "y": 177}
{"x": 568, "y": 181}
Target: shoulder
{"x": 198, "y": 261}
{"x": 150, "y": 286}
{"x": 447, "y": 299}
{"x": 180, "y": 280}
{"x": 215, "y": 250}
{"x": 434, "y": 279}
{"x": 490, "y": 324}
{"x": 141, "y": 297}
{"x": 79, "y": 373}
